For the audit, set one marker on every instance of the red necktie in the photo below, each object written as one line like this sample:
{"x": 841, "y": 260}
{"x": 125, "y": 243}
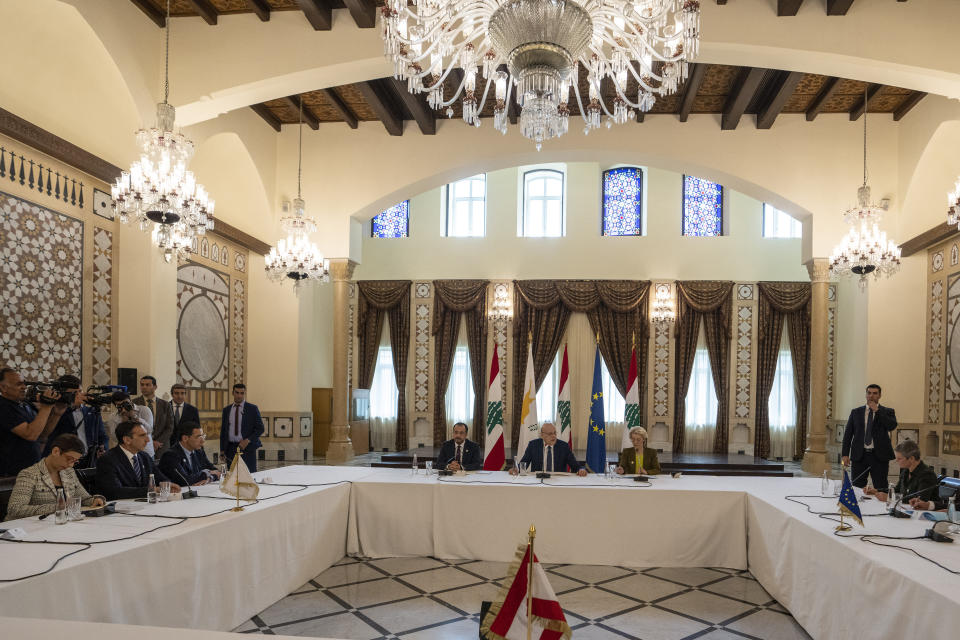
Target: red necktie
{"x": 236, "y": 420}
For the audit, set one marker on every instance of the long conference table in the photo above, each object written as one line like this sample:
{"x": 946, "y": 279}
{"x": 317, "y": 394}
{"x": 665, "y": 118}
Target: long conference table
{"x": 197, "y": 565}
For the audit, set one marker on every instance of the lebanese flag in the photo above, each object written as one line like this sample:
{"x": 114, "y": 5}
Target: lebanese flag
{"x": 507, "y": 617}
{"x": 493, "y": 454}
{"x": 631, "y": 414}
{"x": 563, "y": 401}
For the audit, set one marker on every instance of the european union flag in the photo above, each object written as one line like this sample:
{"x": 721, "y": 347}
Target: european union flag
{"x": 848, "y": 500}
{"x": 596, "y": 440}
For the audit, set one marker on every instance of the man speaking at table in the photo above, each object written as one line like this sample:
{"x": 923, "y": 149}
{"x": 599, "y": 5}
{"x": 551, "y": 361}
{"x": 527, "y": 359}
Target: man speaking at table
{"x": 550, "y": 454}
{"x": 458, "y": 453}
{"x": 866, "y": 440}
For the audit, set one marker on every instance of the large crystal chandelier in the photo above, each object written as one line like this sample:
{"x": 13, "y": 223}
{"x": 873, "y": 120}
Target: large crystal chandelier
{"x": 542, "y": 43}
{"x": 662, "y": 305}
{"x": 865, "y": 249}
{"x": 158, "y": 191}
{"x": 296, "y": 257}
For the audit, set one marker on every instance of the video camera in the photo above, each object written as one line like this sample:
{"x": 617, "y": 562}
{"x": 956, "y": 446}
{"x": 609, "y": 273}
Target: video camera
{"x": 96, "y": 396}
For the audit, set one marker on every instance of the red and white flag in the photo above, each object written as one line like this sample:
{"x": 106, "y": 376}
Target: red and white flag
{"x": 563, "y": 401}
{"x": 631, "y": 414}
{"x": 507, "y": 616}
{"x": 493, "y": 454}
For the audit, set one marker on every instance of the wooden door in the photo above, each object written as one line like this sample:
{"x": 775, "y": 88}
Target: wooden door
{"x": 322, "y": 406}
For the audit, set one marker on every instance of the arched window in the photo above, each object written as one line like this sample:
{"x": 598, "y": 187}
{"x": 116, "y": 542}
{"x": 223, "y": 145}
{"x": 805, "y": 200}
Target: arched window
{"x": 393, "y": 222}
{"x": 622, "y": 202}
{"x": 466, "y": 207}
{"x": 702, "y": 207}
{"x": 777, "y": 224}
{"x": 543, "y": 203}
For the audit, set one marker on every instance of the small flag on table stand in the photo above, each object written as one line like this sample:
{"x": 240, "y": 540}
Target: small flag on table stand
{"x": 563, "y": 401}
{"x": 239, "y": 483}
{"x": 631, "y": 414}
{"x": 527, "y": 609}
{"x": 848, "y": 503}
{"x": 493, "y": 454}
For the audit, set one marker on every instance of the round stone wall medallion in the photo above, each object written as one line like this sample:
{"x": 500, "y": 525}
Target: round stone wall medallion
{"x": 203, "y": 339}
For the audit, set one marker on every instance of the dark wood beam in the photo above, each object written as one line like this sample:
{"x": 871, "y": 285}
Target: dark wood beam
{"x": 242, "y": 238}
{"x": 293, "y": 102}
{"x": 318, "y": 14}
{"x": 697, "y": 71}
{"x": 376, "y": 98}
{"x": 261, "y": 8}
{"x": 264, "y": 112}
{"x": 158, "y": 17}
{"x": 417, "y": 106}
{"x": 909, "y": 103}
{"x": 872, "y": 91}
{"x": 205, "y": 10}
{"x": 826, "y": 92}
{"x": 740, "y": 96}
{"x": 721, "y": 1}
{"x": 927, "y": 239}
{"x": 788, "y": 7}
{"x": 640, "y": 116}
{"x": 786, "y": 84}
{"x": 341, "y": 107}
{"x": 838, "y": 7}
{"x": 364, "y": 12}
{"x": 56, "y": 147}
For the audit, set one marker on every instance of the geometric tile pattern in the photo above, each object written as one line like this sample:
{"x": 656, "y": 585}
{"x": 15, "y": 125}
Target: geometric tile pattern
{"x": 501, "y": 291}
{"x": 238, "y": 344}
{"x": 831, "y": 356}
{"x": 954, "y": 255}
{"x": 661, "y": 368}
{"x": 41, "y": 277}
{"x": 102, "y": 310}
{"x": 744, "y": 358}
{"x": 935, "y": 366}
{"x": 421, "y": 378}
{"x": 429, "y": 598}
{"x": 937, "y": 261}
{"x": 745, "y": 292}
{"x": 422, "y": 290}
{"x": 952, "y": 365}
{"x": 205, "y": 293}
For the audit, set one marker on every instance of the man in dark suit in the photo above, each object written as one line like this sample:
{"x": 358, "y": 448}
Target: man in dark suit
{"x": 866, "y": 441}
{"x": 549, "y": 454}
{"x": 124, "y": 471}
{"x": 182, "y": 410}
{"x": 241, "y": 428}
{"x": 162, "y": 414}
{"x": 81, "y": 421}
{"x": 459, "y": 453}
{"x": 186, "y": 460}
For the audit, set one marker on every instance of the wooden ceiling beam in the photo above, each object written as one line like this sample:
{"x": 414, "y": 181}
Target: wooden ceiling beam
{"x": 293, "y": 102}
{"x": 927, "y": 239}
{"x": 694, "y": 81}
{"x": 909, "y": 103}
{"x": 786, "y": 84}
{"x": 341, "y": 107}
{"x": 417, "y": 106}
{"x": 261, "y": 8}
{"x": 205, "y": 10}
{"x": 872, "y": 91}
{"x": 826, "y": 92}
{"x": 264, "y": 112}
{"x": 788, "y": 7}
{"x": 373, "y": 93}
{"x": 838, "y": 7}
{"x": 318, "y": 13}
{"x": 743, "y": 91}
{"x": 364, "y": 12}
{"x": 158, "y": 17}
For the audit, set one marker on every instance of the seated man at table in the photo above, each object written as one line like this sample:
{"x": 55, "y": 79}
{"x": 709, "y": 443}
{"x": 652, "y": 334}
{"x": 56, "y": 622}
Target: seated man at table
{"x": 460, "y": 454}
{"x": 549, "y": 454}
{"x": 124, "y": 471}
{"x": 186, "y": 460}
{"x": 35, "y": 493}
{"x": 915, "y": 475}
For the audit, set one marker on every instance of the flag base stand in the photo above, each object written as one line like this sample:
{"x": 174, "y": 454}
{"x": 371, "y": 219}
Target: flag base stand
{"x": 843, "y": 526}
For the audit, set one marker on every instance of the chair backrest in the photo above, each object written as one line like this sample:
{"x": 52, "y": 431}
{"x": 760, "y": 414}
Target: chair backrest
{"x": 88, "y": 478}
{"x": 6, "y": 488}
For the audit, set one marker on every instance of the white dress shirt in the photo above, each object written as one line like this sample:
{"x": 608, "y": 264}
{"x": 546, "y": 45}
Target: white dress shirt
{"x": 236, "y": 430}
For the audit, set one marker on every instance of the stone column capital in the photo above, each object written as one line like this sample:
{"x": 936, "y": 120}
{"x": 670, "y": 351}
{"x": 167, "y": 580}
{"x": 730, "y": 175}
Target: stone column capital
{"x": 819, "y": 269}
{"x": 341, "y": 269}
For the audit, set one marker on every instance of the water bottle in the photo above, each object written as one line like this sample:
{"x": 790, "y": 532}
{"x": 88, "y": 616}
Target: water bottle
{"x": 825, "y": 485}
{"x": 61, "y": 516}
{"x": 414, "y": 464}
{"x": 151, "y": 489}
{"x": 952, "y": 510}
{"x": 223, "y": 474}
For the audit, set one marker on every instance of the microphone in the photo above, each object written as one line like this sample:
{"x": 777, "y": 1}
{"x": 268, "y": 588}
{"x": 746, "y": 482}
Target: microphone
{"x": 898, "y": 514}
{"x": 936, "y": 532}
{"x": 190, "y": 492}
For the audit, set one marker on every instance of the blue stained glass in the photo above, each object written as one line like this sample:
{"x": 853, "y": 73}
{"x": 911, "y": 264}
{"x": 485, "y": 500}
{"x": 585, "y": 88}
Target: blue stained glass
{"x": 392, "y": 223}
{"x": 702, "y": 207}
{"x": 622, "y": 202}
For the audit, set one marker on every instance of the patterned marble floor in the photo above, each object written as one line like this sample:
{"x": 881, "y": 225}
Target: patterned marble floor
{"x": 431, "y": 599}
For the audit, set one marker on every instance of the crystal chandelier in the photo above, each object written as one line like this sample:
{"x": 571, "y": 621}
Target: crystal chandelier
{"x": 662, "y": 305}
{"x": 953, "y": 205}
{"x": 501, "y": 309}
{"x": 865, "y": 249}
{"x": 296, "y": 257}
{"x": 158, "y": 190}
{"x": 542, "y": 43}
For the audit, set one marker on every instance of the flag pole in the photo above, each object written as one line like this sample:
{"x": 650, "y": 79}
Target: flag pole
{"x": 532, "y": 534}
{"x": 236, "y": 458}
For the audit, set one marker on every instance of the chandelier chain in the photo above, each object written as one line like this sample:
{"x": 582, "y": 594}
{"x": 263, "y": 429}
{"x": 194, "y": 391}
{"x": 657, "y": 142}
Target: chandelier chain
{"x": 166, "y": 58}
{"x": 300, "y": 146}
{"x": 865, "y": 104}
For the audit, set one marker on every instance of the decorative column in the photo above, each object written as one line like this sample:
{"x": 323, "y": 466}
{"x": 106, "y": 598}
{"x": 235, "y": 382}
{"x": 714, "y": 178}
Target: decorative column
{"x": 340, "y": 448}
{"x": 815, "y": 457}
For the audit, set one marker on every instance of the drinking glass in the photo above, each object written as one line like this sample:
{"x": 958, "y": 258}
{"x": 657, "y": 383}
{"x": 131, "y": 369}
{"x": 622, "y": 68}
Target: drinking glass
{"x": 611, "y": 471}
{"x": 429, "y": 466}
{"x": 73, "y": 508}
{"x": 164, "y": 491}
{"x": 151, "y": 497}
{"x": 891, "y": 497}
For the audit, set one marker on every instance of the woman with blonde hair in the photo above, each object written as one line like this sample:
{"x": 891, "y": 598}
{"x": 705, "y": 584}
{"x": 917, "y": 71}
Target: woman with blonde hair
{"x": 638, "y": 459}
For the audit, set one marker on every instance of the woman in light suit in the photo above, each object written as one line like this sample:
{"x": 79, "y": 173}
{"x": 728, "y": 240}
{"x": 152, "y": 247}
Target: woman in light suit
{"x": 638, "y": 459}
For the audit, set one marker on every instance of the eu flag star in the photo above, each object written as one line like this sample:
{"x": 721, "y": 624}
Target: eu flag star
{"x": 595, "y": 396}
{"x": 601, "y": 431}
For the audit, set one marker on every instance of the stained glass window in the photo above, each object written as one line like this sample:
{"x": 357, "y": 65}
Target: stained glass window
{"x": 777, "y": 224}
{"x": 622, "y": 208}
{"x": 702, "y": 207}
{"x": 543, "y": 203}
{"x": 392, "y": 223}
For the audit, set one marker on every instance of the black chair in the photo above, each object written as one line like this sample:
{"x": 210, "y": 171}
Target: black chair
{"x": 6, "y": 488}
{"x": 88, "y": 478}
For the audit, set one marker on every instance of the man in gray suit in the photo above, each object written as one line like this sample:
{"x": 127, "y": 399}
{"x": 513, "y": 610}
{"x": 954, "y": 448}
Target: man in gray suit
{"x": 162, "y": 414}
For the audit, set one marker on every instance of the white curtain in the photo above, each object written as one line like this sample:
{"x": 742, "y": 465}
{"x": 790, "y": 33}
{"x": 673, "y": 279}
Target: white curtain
{"x": 460, "y": 397}
{"x": 383, "y": 396}
{"x": 701, "y": 403}
{"x": 783, "y": 403}
{"x": 548, "y": 391}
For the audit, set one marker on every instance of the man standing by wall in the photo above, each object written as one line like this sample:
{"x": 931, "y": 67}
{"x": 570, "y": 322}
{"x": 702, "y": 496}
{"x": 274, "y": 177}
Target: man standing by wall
{"x": 182, "y": 410}
{"x": 241, "y": 428}
{"x": 866, "y": 441}
{"x": 162, "y": 415}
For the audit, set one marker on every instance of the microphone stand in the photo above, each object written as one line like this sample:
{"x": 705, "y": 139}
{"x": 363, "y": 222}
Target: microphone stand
{"x": 190, "y": 492}
{"x": 899, "y": 514}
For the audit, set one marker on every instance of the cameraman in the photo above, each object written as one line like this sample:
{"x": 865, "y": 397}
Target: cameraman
{"x": 129, "y": 412}
{"x": 22, "y": 423}
{"x": 80, "y": 420}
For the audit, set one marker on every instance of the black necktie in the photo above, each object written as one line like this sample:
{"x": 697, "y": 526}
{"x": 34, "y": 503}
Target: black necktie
{"x": 458, "y": 453}
{"x": 549, "y": 458}
{"x": 176, "y": 416}
{"x": 868, "y": 435}
{"x": 194, "y": 463}
{"x": 137, "y": 468}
